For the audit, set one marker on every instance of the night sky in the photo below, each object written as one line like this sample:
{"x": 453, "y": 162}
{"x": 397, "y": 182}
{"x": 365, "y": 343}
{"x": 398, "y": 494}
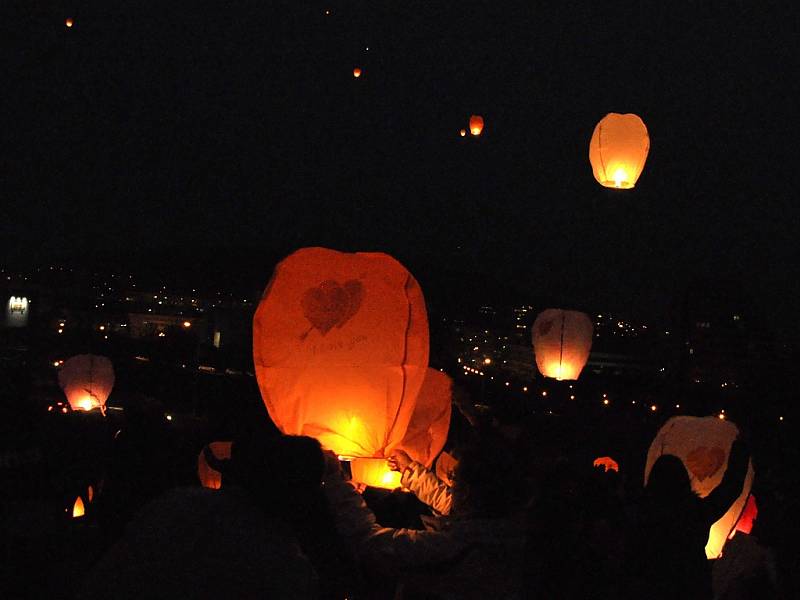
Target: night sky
{"x": 237, "y": 128}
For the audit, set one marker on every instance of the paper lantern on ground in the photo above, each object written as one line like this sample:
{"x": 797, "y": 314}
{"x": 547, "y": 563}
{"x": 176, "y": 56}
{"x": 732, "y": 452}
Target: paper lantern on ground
{"x": 340, "y": 347}
{"x": 476, "y": 125}
{"x": 703, "y": 444}
{"x": 87, "y": 381}
{"x": 562, "y": 340}
{"x": 618, "y": 150}
{"x": 208, "y": 464}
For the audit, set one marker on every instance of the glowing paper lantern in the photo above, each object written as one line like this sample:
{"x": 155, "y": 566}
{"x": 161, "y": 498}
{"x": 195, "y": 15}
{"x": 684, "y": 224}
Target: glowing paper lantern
{"x": 356, "y": 72}
{"x": 608, "y": 463}
{"x": 562, "y": 340}
{"x": 749, "y": 515}
{"x": 462, "y": 133}
{"x": 445, "y": 467}
{"x": 374, "y": 472}
{"x": 476, "y": 125}
{"x": 87, "y": 381}
{"x": 618, "y": 150}
{"x": 340, "y": 347}
{"x": 425, "y": 436}
{"x": 703, "y": 444}
{"x": 78, "y": 509}
{"x": 209, "y": 476}
{"x": 69, "y": 22}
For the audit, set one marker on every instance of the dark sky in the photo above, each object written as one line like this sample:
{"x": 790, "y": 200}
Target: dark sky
{"x": 212, "y": 127}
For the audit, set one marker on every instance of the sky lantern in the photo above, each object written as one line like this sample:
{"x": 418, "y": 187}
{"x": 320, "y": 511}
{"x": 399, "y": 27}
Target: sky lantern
{"x": 476, "y": 125}
{"x": 340, "y": 347}
{"x": 208, "y": 464}
{"x": 618, "y": 150}
{"x": 703, "y": 444}
{"x": 356, "y": 72}
{"x": 608, "y": 464}
{"x": 446, "y": 465}
{"x": 562, "y": 340}
{"x": 749, "y": 515}
{"x": 462, "y": 133}
{"x": 87, "y": 381}
{"x": 78, "y": 509}
{"x": 69, "y": 22}
{"x": 425, "y": 436}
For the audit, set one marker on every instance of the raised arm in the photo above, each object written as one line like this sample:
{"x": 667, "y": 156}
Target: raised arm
{"x": 428, "y": 487}
{"x": 388, "y": 549}
{"x": 717, "y": 503}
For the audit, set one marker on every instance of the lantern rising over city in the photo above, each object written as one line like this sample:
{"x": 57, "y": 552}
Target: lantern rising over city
{"x": 703, "y": 444}
{"x": 340, "y": 347}
{"x": 562, "y": 340}
{"x": 475, "y": 125}
{"x": 87, "y": 381}
{"x": 618, "y": 150}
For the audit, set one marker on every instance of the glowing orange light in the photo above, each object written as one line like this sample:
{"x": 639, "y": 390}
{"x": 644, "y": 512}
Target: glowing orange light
{"x": 462, "y": 133}
{"x": 77, "y": 508}
{"x": 562, "y": 340}
{"x": 356, "y": 72}
{"x": 187, "y": 324}
{"x": 703, "y": 444}
{"x": 653, "y": 407}
{"x": 89, "y": 493}
{"x": 606, "y": 461}
{"x": 475, "y": 125}
{"x": 374, "y": 472}
{"x": 69, "y": 22}
{"x": 618, "y": 150}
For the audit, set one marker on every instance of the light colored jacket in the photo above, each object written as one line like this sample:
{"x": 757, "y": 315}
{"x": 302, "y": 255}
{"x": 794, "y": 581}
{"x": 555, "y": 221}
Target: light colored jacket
{"x": 426, "y": 486}
{"x": 464, "y": 558}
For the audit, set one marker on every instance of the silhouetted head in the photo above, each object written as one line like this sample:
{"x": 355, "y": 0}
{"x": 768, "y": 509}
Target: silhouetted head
{"x": 668, "y": 478}
{"x": 278, "y": 471}
{"x": 486, "y": 480}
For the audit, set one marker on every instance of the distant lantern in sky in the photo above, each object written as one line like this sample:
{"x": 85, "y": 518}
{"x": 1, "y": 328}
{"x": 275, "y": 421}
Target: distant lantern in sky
{"x": 69, "y": 22}
{"x": 356, "y": 72}
{"x": 87, "y": 381}
{"x": 703, "y": 444}
{"x": 462, "y": 133}
{"x": 340, "y": 346}
{"x": 476, "y": 125}
{"x": 562, "y": 340}
{"x": 618, "y": 150}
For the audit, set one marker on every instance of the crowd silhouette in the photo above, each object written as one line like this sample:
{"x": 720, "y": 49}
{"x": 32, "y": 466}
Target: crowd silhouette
{"x": 524, "y": 514}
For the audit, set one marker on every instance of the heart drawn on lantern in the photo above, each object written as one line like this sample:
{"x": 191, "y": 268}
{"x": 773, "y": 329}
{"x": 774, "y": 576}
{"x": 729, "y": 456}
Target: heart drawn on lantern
{"x": 332, "y": 305}
{"x": 704, "y": 462}
{"x": 545, "y": 327}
